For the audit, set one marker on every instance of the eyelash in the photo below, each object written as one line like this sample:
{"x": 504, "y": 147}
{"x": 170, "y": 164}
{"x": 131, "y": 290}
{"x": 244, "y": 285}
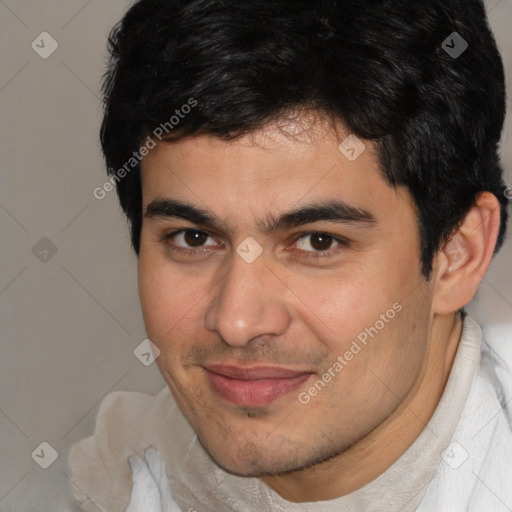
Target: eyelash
{"x": 342, "y": 243}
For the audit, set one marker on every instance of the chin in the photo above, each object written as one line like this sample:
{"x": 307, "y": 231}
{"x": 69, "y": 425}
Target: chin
{"x": 254, "y": 469}
{"x": 246, "y": 459}
{"x": 250, "y": 460}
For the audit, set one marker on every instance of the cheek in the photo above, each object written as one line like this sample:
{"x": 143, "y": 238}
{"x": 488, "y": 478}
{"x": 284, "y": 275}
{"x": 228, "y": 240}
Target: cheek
{"x": 337, "y": 307}
{"x": 365, "y": 314}
{"x": 164, "y": 299}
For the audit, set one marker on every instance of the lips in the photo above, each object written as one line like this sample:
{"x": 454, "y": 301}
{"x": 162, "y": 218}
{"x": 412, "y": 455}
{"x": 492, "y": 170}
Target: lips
{"x": 253, "y": 387}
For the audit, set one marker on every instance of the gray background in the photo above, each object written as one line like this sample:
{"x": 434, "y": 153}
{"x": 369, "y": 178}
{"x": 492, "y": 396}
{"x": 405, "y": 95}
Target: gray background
{"x": 70, "y": 324}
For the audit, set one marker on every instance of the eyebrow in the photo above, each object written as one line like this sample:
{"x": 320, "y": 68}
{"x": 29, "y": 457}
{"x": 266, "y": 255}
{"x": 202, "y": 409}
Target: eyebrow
{"x": 334, "y": 211}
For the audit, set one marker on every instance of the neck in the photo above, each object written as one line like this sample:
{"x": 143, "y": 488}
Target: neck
{"x": 350, "y": 470}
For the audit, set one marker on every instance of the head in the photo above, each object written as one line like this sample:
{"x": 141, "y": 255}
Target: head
{"x": 262, "y": 242}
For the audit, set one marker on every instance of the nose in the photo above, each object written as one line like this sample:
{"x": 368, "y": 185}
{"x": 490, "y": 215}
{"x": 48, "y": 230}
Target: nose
{"x": 248, "y": 303}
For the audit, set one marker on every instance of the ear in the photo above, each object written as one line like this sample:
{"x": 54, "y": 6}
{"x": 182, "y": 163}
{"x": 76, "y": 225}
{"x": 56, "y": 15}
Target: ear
{"x": 461, "y": 264}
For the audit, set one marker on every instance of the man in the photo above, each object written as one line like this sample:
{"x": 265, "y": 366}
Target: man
{"x": 314, "y": 195}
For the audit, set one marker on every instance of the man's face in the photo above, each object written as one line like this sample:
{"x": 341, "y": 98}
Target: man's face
{"x": 266, "y": 354}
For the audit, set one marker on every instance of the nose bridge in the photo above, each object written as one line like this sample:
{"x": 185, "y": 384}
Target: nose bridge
{"x": 248, "y": 303}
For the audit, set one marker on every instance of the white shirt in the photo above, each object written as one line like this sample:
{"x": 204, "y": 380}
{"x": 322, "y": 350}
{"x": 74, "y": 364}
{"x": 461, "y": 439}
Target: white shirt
{"x": 462, "y": 460}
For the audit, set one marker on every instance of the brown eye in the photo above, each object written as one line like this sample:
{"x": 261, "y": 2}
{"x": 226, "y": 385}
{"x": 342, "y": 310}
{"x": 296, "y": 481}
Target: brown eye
{"x": 320, "y": 247}
{"x": 195, "y": 238}
{"x": 321, "y": 241}
{"x": 315, "y": 242}
{"x": 188, "y": 239}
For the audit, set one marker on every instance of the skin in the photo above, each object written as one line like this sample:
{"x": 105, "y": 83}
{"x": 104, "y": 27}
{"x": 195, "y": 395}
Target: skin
{"x": 297, "y": 309}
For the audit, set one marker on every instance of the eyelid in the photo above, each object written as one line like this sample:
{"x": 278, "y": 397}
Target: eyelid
{"x": 338, "y": 238}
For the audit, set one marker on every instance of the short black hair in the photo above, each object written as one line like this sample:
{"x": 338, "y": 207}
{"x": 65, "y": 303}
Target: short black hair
{"x": 381, "y": 67}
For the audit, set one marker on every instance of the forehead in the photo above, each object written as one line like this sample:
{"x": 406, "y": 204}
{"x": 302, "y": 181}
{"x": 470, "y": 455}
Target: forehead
{"x": 289, "y": 162}
{"x": 294, "y": 138}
